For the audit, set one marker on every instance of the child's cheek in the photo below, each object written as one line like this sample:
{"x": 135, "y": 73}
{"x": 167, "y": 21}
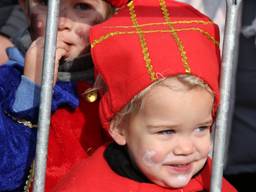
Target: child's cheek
{"x": 206, "y": 148}
{"x": 84, "y": 36}
{"x": 151, "y": 158}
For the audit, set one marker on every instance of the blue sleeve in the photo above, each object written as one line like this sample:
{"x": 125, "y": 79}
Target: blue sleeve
{"x": 10, "y": 79}
{"x": 64, "y": 94}
{"x": 17, "y": 149}
{"x": 17, "y": 142}
{"x": 24, "y": 103}
{"x": 27, "y": 95}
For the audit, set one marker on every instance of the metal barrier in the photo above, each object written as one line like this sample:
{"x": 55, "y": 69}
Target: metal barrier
{"x": 229, "y": 62}
{"x": 230, "y": 54}
{"x": 46, "y": 96}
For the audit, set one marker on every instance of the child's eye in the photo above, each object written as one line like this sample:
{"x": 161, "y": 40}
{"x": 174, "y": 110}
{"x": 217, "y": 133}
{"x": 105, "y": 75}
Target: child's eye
{"x": 43, "y": 2}
{"x": 83, "y": 6}
{"x": 202, "y": 129}
{"x": 166, "y": 132}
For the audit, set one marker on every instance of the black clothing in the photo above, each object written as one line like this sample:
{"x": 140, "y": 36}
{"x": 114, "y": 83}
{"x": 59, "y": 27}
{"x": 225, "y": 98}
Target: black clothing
{"x": 120, "y": 162}
{"x": 241, "y": 162}
{"x": 4, "y": 3}
{"x": 13, "y": 24}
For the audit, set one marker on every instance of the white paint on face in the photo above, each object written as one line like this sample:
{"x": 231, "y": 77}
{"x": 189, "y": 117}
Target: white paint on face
{"x": 148, "y": 158}
{"x": 180, "y": 179}
{"x": 149, "y": 155}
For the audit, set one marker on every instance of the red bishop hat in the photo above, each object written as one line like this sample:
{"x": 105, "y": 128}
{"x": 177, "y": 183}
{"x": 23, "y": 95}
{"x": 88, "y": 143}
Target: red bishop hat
{"x": 117, "y": 3}
{"x": 151, "y": 37}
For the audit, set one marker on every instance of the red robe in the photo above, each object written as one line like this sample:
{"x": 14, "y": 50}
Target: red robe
{"x": 74, "y": 134}
{"x": 94, "y": 175}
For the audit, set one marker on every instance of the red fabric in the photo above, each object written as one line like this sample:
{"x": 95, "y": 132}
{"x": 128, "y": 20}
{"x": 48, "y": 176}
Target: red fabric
{"x": 74, "y": 134}
{"x": 94, "y": 175}
{"x": 125, "y": 70}
{"x": 117, "y": 3}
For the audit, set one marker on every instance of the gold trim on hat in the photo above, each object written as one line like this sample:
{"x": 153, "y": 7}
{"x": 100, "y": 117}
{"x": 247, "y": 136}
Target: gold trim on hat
{"x": 180, "y": 45}
{"x": 143, "y": 42}
{"x": 173, "y": 30}
{"x": 164, "y": 23}
{"x": 115, "y": 33}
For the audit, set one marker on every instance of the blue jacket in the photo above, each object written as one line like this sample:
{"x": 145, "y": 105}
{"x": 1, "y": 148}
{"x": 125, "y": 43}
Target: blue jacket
{"x": 17, "y": 141}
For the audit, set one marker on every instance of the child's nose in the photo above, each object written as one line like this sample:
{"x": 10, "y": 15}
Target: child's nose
{"x": 65, "y": 19}
{"x": 65, "y": 23}
{"x": 184, "y": 147}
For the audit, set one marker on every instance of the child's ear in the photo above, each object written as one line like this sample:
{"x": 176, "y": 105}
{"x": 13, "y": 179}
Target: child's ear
{"x": 117, "y": 133}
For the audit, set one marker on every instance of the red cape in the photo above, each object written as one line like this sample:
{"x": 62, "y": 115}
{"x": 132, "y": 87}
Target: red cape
{"x": 94, "y": 175}
{"x": 74, "y": 135}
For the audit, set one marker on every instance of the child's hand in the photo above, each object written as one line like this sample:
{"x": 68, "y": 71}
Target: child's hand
{"x": 5, "y": 43}
{"x": 34, "y": 59}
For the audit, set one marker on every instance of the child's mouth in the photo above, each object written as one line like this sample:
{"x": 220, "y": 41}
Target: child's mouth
{"x": 180, "y": 168}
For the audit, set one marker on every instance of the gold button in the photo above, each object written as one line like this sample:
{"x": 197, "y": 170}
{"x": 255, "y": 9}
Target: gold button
{"x": 91, "y": 96}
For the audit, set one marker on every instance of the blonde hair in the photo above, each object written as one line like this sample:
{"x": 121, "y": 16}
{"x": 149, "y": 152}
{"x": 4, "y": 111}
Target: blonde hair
{"x": 190, "y": 82}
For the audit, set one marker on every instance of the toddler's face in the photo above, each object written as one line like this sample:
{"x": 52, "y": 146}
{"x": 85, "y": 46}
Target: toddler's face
{"x": 76, "y": 18}
{"x": 169, "y": 138}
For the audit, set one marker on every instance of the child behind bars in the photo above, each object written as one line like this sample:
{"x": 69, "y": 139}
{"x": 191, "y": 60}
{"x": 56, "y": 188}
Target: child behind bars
{"x": 158, "y": 104}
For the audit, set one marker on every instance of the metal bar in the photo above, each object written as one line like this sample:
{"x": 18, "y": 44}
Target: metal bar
{"x": 229, "y": 63}
{"x": 46, "y": 96}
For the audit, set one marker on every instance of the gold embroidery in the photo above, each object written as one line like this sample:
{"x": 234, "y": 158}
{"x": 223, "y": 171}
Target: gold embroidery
{"x": 164, "y": 23}
{"x": 105, "y": 37}
{"x": 115, "y": 33}
{"x": 30, "y": 178}
{"x": 21, "y": 121}
{"x": 174, "y": 32}
{"x": 205, "y": 33}
{"x": 142, "y": 42}
{"x": 180, "y": 45}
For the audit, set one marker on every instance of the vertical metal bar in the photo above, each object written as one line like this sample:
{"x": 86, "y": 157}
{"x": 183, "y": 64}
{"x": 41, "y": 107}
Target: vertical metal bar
{"x": 46, "y": 95}
{"x": 229, "y": 63}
